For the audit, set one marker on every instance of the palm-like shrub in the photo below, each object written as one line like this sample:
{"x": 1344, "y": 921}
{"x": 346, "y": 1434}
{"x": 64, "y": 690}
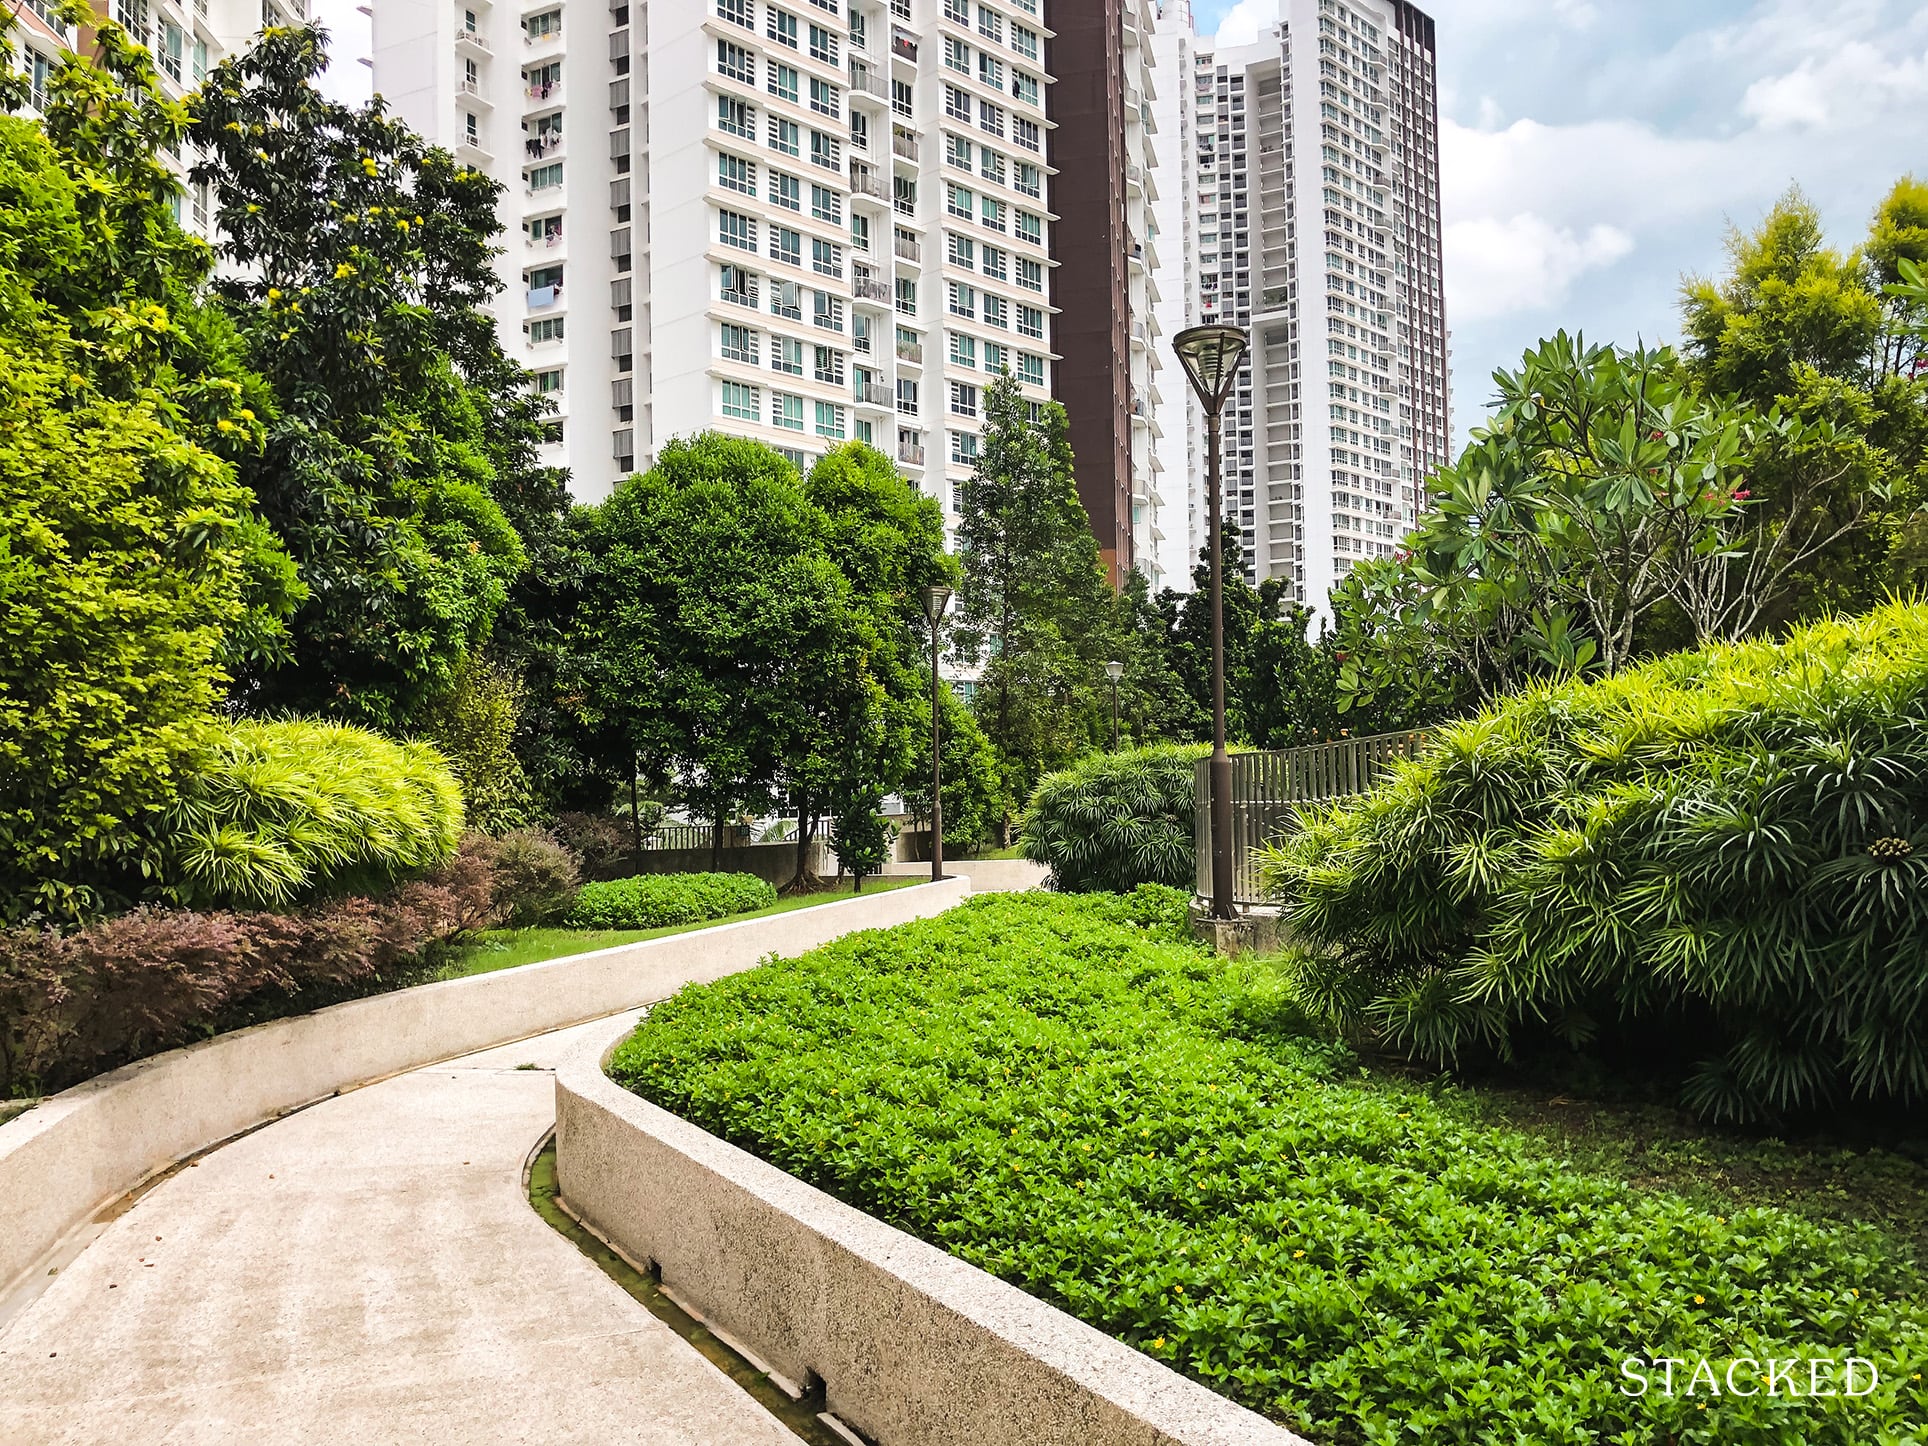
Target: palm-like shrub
{"x": 277, "y": 810}
{"x": 1116, "y": 820}
{"x": 1716, "y": 861}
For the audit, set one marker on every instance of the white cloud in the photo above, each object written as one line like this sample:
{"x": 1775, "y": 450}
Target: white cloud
{"x": 1521, "y": 263}
{"x": 1851, "y": 85}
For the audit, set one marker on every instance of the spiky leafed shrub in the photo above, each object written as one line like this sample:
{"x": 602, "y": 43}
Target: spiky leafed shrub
{"x": 277, "y": 810}
{"x": 1717, "y": 862}
{"x": 655, "y": 901}
{"x": 1116, "y": 820}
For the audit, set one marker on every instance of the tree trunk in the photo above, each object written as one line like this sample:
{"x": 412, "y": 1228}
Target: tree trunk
{"x": 635, "y": 810}
{"x": 716, "y": 839}
{"x": 806, "y": 880}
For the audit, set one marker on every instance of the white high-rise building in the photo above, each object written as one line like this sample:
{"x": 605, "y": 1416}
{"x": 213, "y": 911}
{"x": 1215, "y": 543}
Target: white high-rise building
{"x": 1175, "y": 212}
{"x": 802, "y": 222}
{"x": 1319, "y": 232}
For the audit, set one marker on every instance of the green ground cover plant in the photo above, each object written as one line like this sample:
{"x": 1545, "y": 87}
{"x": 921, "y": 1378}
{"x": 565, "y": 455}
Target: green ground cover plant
{"x": 650, "y": 901}
{"x": 1116, "y": 820}
{"x": 1071, "y": 1095}
{"x": 1711, "y": 868}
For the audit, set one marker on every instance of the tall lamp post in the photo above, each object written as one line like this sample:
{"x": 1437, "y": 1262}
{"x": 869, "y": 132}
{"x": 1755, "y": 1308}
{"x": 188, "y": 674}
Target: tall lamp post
{"x": 1114, "y": 671}
{"x": 937, "y": 597}
{"x": 1211, "y": 357}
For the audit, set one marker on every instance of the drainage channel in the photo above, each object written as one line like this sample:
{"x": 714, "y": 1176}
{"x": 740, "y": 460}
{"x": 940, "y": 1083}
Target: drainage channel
{"x": 804, "y": 1414}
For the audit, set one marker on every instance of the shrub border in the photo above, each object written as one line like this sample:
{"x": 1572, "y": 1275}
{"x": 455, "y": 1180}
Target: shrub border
{"x": 65, "y": 1163}
{"x": 910, "y": 1345}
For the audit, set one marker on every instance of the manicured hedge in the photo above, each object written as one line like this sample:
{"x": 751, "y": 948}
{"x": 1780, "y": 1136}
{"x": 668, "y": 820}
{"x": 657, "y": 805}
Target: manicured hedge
{"x": 1064, "y": 1092}
{"x": 1714, "y": 866}
{"x": 1116, "y": 820}
{"x": 280, "y": 809}
{"x": 653, "y": 901}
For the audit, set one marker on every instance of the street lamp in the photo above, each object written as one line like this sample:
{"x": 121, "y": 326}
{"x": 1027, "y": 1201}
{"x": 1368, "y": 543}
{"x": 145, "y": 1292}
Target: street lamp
{"x": 1115, "y": 671}
{"x": 1211, "y": 357}
{"x": 937, "y": 597}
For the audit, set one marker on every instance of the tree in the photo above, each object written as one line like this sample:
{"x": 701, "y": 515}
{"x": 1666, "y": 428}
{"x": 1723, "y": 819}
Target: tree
{"x": 975, "y": 803}
{"x": 127, "y": 551}
{"x": 1035, "y": 610}
{"x": 360, "y": 267}
{"x": 718, "y": 640}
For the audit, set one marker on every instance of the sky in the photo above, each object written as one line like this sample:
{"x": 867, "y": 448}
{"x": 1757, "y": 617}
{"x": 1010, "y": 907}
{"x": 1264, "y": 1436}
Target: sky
{"x": 1594, "y": 151}
{"x": 346, "y": 78}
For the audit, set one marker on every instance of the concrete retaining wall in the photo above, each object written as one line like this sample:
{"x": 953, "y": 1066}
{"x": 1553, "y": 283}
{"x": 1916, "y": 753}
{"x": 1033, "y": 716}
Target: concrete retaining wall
{"x": 62, "y": 1161}
{"x": 774, "y": 863}
{"x": 914, "y": 1347}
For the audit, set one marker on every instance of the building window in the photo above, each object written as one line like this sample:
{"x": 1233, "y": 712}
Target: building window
{"x": 907, "y": 396}
{"x": 1030, "y": 228}
{"x": 991, "y": 164}
{"x": 990, "y": 24}
{"x": 990, "y": 70}
{"x": 825, "y": 98}
{"x": 739, "y": 344}
{"x": 1030, "y": 369}
{"x": 735, "y": 62}
{"x": 545, "y": 178}
{"x": 963, "y": 250}
{"x": 959, "y": 202}
{"x": 997, "y": 311}
{"x": 963, "y": 300}
{"x": 1026, "y": 134}
{"x": 830, "y": 365}
{"x": 784, "y": 136}
{"x": 737, "y": 12}
{"x": 963, "y": 350}
{"x": 1029, "y": 179}
{"x": 826, "y": 151}
{"x": 544, "y": 328}
{"x": 957, "y": 105}
{"x": 1031, "y": 322}
{"x": 736, "y": 117}
{"x": 957, "y": 151}
{"x": 827, "y": 311}
{"x": 991, "y": 212}
{"x": 990, "y": 118}
{"x": 957, "y": 55}
{"x": 823, "y": 45}
{"x": 786, "y": 191}
{"x": 1024, "y": 87}
{"x": 963, "y": 399}
{"x": 826, "y": 257}
{"x": 830, "y": 420}
{"x": 1024, "y": 42}
{"x": 786, "y": 411}
{"x": 736, "y": 229}
{"x": 783, "y": 28}
{"x": 995, "y": 262}
{"x": 736, "y": 174}
{"x": 786, "y": 245}
{"x": 826, "y": 205}
{"x": 783, "y": 82}
{"x": 958, "y": 12}
{"x": 1031, "y": 274}
{"x": 907, "y": 295}
{"x": 996, "y": 357}
{"x": 964, "y": 448}
{"x": 742, "y": 402}
{"x": 739, "y": 286}
{"x": 786, "y": 299}
{"x": 548, "y": 381}
{"x": 786, "y": 355}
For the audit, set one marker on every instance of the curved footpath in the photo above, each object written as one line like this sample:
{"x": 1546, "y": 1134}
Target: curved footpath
{"x": 368, "y": 1269}
{"x": 365, "y": 1270}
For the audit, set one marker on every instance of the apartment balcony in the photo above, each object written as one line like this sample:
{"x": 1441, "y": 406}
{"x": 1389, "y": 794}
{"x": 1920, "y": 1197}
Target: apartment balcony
{"x": 910, "y": 351}
{"x": 906, "y": 453}
{"x": 903, "y": 46}
{"x": 544, "y": 94}
{"x": 546, "y": 242}
{"x": 536, "y": 147}
{"x": 865, "y": 182}
{"x": 903, "y": 145}
{"x": 867, "y": 84}
{"x": 872, "y": 394}
{"x": 472, "y": 89}
{"x": 1141, "y": 335}
{"x": 907, "y": 249}
{"x": 471, "y": 41}
{"x": 544, "y": 296}
{"x": 869, "y": 289}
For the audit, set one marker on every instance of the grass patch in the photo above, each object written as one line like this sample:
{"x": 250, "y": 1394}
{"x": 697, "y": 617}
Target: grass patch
{"x": 496, "y": 949}
{"x": 1067, "y": 1093}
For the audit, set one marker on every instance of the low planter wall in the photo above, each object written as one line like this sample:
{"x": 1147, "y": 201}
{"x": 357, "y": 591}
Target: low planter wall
{"x": 913, "y": 1347}
{"x": 774, "y": 863}
{"x": 62, "y": 1161}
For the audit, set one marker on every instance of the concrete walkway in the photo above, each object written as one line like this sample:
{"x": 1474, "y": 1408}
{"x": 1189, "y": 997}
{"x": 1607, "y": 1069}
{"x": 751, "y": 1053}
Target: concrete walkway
{"x": 365, "y": 1271}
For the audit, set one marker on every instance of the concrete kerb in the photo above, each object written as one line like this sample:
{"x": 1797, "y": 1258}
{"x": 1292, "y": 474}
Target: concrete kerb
{"x": 76, "y": 1155}
{"x": 912, "y": 1346}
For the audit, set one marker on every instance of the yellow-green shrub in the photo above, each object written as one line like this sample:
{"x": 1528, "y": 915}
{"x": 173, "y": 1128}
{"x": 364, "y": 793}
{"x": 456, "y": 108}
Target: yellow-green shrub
{"x": 277, "y": 810}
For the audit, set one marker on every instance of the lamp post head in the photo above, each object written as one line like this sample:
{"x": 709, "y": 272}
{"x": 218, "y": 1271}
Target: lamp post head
{"x": 1211, "y": 357}
{"x": 937, "y": 597}
{"x": 1114, "y": 671}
